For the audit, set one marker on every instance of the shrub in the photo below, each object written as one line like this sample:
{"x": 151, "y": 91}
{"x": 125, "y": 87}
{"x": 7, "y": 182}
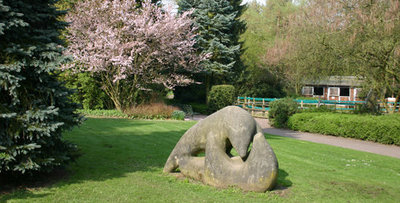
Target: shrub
{"x": 322, "y": 108}
{"x": 281, "y": 110}
{"x": 178, "y": 115}
{"x": 306, "y": 98}
{"x": 384, "y": 129}
{"x": 259, "y": 82}
{"x": 111, "y": 113}
{"x": 221, "y": 96}
{"x": 88, "y": 91}
{"x": 151, "y": 111}
{"x": 200, "y": 108}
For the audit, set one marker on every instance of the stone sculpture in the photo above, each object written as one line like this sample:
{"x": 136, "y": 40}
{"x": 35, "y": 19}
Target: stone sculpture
{"x": 229, "y": 127}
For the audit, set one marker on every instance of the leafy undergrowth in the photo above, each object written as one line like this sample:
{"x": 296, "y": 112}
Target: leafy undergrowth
{"x": 123, "y": 160}
{"x": 102, "y": 113}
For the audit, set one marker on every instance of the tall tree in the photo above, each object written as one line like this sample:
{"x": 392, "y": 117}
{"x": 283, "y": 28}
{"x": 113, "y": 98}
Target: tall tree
{"x": 131, "y": 49}
{"x": 350, "y": 37}
{"x": 34, "y": 107}
{"x": 218, "y": 26}
{"x": 259, "y": 78}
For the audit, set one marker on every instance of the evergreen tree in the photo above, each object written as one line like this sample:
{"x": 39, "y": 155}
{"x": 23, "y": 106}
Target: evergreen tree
{"x": 34, "y": 106}
{"x": 218, "y": 28}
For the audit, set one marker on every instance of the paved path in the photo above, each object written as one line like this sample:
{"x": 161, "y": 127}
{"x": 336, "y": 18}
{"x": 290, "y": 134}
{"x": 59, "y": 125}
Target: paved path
{"x": 360, "y": 145}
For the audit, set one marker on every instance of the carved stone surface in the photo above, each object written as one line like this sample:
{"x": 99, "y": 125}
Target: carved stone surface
{"x": 215, "y": 135}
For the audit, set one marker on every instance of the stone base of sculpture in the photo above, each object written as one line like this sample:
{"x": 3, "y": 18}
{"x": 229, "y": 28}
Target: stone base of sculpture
{"x": 254, "y": 170}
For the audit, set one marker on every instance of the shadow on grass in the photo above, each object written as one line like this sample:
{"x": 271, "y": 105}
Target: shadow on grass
{"x": 113, "y": 148}
{"x": 283, "y": 182}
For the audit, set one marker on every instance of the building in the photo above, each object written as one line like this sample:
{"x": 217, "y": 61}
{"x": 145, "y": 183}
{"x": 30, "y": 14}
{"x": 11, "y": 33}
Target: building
{"x": 340, "y": 88}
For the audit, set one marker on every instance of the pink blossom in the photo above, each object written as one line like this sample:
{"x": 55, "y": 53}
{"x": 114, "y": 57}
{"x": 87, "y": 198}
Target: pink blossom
{"x": 112, "y": 37}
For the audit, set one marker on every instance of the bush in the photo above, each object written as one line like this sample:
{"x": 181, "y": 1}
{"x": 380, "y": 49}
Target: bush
{"x": 221, "y": 96}
{"x": 322, "y": 108}
{"x": 307, "y": 98}
{"x": 384, "y": 129}
{"x": 256, "y": 81}
{"x": 281, "y": 110}
{"x": 200, "y": 108}
{"x": 178, "y": 115}
{"x": 88, "y": 91}
{"x": 112, "y": 113}
{"x": 151, "y": 111}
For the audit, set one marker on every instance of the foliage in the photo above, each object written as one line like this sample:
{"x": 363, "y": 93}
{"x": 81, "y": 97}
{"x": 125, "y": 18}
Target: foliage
{"x": 270, "y": 32}
{"x": 143, "y": 111}
{"x": 220, "y": 97}
{"x": 353, "y": 37}
{"x": 88, "y": 90}
{"x": 34, "y": 107}
{"x": 384, "y": 129}
{"x": 102, "y": 113}
{"x": 258, "y": 82}
{"x": 322, "y": 108}
{"x": 200, "y": 108}
{"x": 191, "y": 93}
{"x": 151, "y": 111}
{"x": 281, "y": 110}
{"x": 261, "y": 79}
{"x": 123, "y": 159}
{"x": 131, "y": 50}
{"x": 178, "y": 115}
{"x": 306, "y": 98}
{"x": 218, "y": 27}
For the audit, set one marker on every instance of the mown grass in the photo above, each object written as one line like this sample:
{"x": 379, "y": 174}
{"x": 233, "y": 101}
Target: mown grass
{"x": 122, "y": 162}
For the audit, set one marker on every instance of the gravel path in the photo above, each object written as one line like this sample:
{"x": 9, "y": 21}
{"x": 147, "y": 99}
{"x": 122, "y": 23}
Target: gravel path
{"x": 360, "y": 145}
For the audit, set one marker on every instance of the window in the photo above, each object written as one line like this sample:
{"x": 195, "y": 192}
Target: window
{"x": 307, "y": 90}
{"x": 333, "y": 91}
{"x": 344, "y": 92}
{"x": 318, "y": 91}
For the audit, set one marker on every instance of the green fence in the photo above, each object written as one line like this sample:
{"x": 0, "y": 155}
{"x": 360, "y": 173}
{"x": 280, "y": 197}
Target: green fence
{"x": 254, "y": 104}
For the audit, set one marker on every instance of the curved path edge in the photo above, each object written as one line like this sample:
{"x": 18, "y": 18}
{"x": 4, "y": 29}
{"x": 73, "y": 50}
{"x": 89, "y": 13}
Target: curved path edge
{"x": 360, "y": 145}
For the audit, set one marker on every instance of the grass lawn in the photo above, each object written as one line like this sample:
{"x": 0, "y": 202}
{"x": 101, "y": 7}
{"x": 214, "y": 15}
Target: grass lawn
{"x": 122, "y": 161}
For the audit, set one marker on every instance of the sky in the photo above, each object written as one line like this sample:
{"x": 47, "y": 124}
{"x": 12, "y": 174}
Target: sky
{"x": 262, "y": 2}
{"x": 172, "y": 2}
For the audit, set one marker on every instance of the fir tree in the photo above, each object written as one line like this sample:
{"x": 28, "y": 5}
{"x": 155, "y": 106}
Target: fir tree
{"x": 219, "y": 28}
{"x": 34, "y": 107}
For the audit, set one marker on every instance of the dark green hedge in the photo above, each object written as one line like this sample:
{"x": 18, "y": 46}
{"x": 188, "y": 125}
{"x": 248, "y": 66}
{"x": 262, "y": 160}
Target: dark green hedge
{"x": 221, "y": 96}
{"x": 384, "y": 129}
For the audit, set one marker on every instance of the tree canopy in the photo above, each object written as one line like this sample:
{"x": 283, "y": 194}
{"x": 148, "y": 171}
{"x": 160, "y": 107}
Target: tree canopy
{"x": 35, "y": 108}
{"x": 218, "y": 26}
{"x": 133, "y": 50}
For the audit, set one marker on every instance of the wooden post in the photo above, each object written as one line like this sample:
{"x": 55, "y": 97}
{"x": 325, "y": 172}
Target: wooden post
{"x": 252, "y": 106}
{"x": 319, "y": 102}
{"x": 301, "y": 104}
{"x": 263, "y": 108}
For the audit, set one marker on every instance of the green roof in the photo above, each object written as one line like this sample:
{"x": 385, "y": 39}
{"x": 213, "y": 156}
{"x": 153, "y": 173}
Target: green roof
{"x": 351, "y": 81}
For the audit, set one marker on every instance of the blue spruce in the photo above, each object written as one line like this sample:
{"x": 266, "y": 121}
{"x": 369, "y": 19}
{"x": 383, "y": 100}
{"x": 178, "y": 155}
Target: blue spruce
{"x": 218, "y": 28}
{"x": 35, "y": 108}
